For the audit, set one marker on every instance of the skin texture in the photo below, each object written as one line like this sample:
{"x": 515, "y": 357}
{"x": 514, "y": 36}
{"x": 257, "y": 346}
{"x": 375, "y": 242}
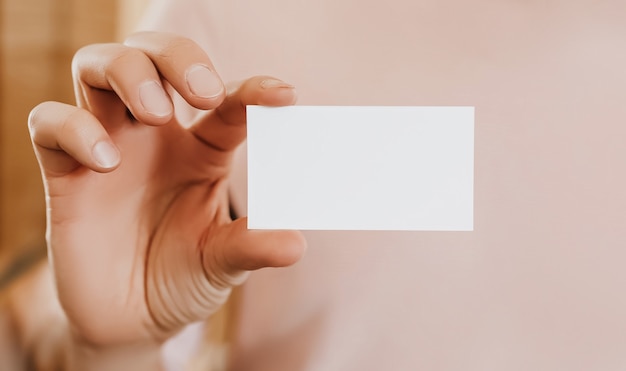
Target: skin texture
{"x": 139, "y": 235}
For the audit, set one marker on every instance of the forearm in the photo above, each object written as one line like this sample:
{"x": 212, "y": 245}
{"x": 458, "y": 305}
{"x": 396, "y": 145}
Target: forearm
{"x": 37, "y": 335}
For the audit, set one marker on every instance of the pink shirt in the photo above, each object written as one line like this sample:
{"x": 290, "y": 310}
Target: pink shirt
{"x": 540, "y": 284}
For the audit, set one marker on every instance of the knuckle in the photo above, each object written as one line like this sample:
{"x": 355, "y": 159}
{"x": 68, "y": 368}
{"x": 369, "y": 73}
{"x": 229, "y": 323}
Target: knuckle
{"x": 83, "y": 58}
{"x": 72, "y": 123}
{"x": 122, "y": 58}
{"x": 80, "y": 55}
{"x": 176, "y": 46}
{"x": 103, "y": 58}
{"x": 35, "y": 116}
{"x": 67, "y": 124}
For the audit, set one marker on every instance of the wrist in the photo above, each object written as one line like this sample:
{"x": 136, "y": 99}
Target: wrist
{"x": 45, "y": 338}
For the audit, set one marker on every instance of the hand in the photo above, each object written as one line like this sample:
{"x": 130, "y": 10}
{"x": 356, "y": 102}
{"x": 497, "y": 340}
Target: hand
{"x": 139, "y": 234}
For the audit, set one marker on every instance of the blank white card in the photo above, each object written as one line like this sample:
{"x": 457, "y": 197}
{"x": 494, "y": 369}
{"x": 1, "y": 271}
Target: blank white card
{"x": 360, "y": 168}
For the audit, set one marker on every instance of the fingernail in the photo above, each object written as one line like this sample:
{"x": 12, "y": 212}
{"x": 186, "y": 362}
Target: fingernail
{"x": 154, "y": 99}
{"x": 203, "y": 82}
{"x": 273, "y": 83}
{"x": 105, "y": 154}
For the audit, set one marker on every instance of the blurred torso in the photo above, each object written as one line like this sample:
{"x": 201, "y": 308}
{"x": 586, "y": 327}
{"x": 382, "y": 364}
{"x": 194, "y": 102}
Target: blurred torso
{"x": 539, "y": 284}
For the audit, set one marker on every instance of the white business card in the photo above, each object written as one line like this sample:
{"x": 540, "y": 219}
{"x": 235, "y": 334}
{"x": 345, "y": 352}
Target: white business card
{"x": 361, "y": 168}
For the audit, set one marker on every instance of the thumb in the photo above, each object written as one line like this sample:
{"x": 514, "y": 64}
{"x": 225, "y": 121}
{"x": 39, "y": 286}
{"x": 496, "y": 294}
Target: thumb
{"x": 198, "y": 254}
{"x": 242, "y": 249}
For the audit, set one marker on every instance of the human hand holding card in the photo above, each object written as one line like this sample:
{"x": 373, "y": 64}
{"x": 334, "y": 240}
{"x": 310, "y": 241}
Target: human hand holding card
{"x": 360, "y": 168}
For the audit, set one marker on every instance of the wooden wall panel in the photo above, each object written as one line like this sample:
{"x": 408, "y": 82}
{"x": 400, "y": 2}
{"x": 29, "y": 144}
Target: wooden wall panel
{"x": 38, "y": 39}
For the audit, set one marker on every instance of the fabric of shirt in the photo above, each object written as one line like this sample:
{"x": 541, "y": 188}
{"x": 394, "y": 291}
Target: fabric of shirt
{"x": 540, "y": 283}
